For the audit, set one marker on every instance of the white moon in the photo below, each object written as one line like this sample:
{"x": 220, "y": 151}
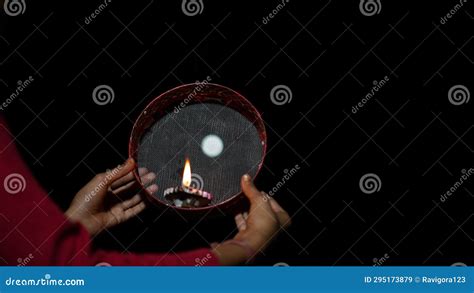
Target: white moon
{"x": 212, "y": 145}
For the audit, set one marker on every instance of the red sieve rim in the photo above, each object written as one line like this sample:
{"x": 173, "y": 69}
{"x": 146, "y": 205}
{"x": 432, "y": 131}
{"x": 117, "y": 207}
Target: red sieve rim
{"x": 210, "y": 93}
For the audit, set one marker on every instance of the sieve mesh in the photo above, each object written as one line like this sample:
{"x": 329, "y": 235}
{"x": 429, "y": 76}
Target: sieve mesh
{"x": 176, "y": 136}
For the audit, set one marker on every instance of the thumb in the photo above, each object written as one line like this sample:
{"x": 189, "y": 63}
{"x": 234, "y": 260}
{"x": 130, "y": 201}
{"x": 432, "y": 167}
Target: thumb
{"x": 250, "y": 191}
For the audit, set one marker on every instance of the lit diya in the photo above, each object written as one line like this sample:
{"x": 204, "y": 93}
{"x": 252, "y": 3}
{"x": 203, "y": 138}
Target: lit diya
{"x": 186, "y": 196}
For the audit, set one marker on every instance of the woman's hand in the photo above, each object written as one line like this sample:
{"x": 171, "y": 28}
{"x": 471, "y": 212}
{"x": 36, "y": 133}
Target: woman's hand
{"x": 110, "y": 198}
{"x": 256, "y": 228}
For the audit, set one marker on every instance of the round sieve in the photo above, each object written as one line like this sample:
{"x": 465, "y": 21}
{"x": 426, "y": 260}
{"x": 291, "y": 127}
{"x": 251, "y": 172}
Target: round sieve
{"x": 215, "y": 128}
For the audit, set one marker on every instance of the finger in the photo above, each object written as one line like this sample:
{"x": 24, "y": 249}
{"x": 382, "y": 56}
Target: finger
{"x": 246, "y": 216}
{"x": 148, "y": 178}
{"x": 127, "y": 178}
{"x": 240, "y": 222}
{"x": 137, "y": 198}
{"x": 119, "y": 172}
{"x": 281, "y": 214}
{"x": 133, "y": 186}
{"x": 274, "y": 204}
{"x": 133, "y": 201}
{"x": 152, "y": 188}
{"x": 133, "y": 211}
{"x": 252, "y": 193}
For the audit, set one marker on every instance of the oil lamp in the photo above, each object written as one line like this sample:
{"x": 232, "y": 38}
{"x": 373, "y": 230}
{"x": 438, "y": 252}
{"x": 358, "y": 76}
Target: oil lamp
{"x": 186, "y": 196}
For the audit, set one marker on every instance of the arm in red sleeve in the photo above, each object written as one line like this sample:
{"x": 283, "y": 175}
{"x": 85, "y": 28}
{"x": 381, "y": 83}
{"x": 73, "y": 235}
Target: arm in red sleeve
{"x": 34, "y": 231}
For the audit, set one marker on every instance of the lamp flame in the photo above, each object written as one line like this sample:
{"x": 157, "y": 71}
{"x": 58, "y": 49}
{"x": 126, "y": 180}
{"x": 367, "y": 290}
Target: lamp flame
{"x": 186, "y": 182}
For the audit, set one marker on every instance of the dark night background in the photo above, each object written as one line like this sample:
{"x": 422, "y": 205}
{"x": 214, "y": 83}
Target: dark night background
{"x": 328, "y": 53}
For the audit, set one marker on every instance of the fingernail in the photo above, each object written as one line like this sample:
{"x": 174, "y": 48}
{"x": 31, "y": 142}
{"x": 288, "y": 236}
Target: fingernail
{"x": 151, "y": 176}
{"x": 152, "y": 188}
{"x": 247, "y": 178}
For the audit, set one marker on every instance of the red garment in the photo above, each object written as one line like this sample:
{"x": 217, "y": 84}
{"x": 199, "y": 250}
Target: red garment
{"x": 34, "y": 231}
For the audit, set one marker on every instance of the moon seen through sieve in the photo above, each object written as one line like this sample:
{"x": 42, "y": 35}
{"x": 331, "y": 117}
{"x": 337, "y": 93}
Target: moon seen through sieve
{"x": 221, "y": 144}
{"x": 212, "y": 145}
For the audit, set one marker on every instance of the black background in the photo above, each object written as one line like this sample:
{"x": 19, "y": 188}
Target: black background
{"x": 328, "y": 53}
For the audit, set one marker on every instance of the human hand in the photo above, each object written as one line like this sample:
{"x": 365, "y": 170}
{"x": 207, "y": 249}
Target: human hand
{"x": 257, "y": 228}
{"x": 110, "y": 198}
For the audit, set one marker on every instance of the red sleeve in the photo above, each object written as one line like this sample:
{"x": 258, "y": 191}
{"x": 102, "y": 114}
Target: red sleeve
{"x": 34, "y": 231}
